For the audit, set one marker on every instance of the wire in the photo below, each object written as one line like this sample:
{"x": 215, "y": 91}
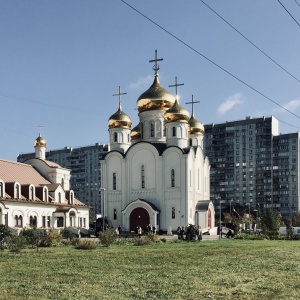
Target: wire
{"x": 264, "y": 53}
{"x": 208, "y": 59}
{"x": 289, "y": 12}
{"x": 297, "y": 3}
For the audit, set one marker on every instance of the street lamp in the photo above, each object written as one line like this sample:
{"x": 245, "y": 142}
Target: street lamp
{"x": 102, "y": 209}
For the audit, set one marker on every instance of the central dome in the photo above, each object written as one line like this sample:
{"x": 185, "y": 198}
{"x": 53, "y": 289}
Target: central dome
{"x": 155, "y": 98}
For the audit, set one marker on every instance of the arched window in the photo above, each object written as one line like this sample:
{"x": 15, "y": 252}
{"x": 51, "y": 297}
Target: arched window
{"x": 59, "y": 197}
{"x": 71, "y": 198}
{"x": 172, "y": 178}
{"x": 142, "y": 130}
{"x": 115, "y": 137}
{"x": 1, "y": 189}
{"x": 17, "y": 191}
{"x": 173, "y": 131}
{"x": 115, "y": 214}
{"x": 173, "y": 213}
{"x": 63, "y": 183}
{"x": 32, "y": 221}
{"x": 143, "y": 176}
{"x": 31, "y": 196}
{"x": 191, "y": 142}
{"x": 152, "y": 129}
{"x": 114, "y": 181}
{"x": 18, "y": 221}
{"x": 128, "y": 138}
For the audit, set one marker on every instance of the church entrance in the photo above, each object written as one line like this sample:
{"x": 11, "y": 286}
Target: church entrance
{"x": 139, "y": 217}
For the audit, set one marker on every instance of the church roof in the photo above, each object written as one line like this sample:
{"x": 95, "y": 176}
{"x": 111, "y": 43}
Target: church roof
{"x": 18, "y": 172}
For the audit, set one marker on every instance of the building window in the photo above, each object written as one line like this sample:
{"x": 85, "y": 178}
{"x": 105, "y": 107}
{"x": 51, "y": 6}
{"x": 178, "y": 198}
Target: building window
{"x": 45, "y": 195}
{"x": 59, "y": 197}
{"x": 60, "y": 221}
{"x": 172, "y": 178}
{"x": 115, "y": 214}
{"x": 48, "y": 221}
{"x": 18, "y": 221}
{"x": 17, "y": 191}
{"x": 143, "y": 176}
{"x": 115, "y": 137}
{"x": 173, "y": 131}
{"x": 191, "y": 142}
{"x": 44, "y": 221}
{"x": 31, "y": 196}
{"x": 114, "y": 181}
{"x": 63, "y": 183}
{"x": 1, "y": 189}
{"x": 142, "y": 130}
{"x": 152, "y": 129}
{"x": 32, "y": 221}
{"x": 173, "y": 213}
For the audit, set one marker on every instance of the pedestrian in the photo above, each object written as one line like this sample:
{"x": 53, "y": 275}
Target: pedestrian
{"x": 120, "y": 229}
{"x": 139, "y": 231}
{"x": 199, "y": 232}
{"x": 178, "y": 232}
{"x": 182, "y": 233}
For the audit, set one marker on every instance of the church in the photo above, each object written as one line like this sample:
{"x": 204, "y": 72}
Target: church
{"x": 37, "y": 194}
{"x": 156, "y": 173}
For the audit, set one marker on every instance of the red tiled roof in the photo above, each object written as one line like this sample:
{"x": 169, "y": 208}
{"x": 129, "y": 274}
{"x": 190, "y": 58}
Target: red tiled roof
{"x": 11, "y": 171}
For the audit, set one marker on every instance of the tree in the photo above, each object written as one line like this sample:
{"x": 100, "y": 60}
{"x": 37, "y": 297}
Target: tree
{"x": 270, "y": 223}
{"x": 296, "y": 219}
{"x": 4, "y": 234}
{"x": 289, "y": 229}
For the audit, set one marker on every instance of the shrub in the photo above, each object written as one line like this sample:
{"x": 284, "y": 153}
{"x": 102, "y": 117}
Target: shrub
{"x": 16, "y": 243}
{"x": 107, "y": 237}
{"x": 67, "y": 234}
{"x": 4, "y": 234}
{"x": 75, "y": 241}
{"x": 143, "y": 241}
{"x": 152, "y": 237}
{"x": 52, "y": 239}
{"x": 86, "y": 245}
{"x": 33, "y": 237}
{"x": 163, "y": 240}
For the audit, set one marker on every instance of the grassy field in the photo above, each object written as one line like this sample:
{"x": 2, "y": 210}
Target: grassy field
{"x": 226, "y": 269}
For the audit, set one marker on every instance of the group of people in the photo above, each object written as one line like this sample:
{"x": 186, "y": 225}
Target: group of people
{"x": 182, "y": 232}
{"x": 149, "y": 229}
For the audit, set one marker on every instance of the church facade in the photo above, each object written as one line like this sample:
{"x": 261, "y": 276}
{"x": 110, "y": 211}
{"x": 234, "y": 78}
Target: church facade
{"x": 156, "y": 173}
{"x": 37, "y": 194}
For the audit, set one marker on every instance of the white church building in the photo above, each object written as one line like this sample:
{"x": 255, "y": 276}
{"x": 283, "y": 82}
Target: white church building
{"x": 156, "y": 173}
{"x": 37, "y": 193}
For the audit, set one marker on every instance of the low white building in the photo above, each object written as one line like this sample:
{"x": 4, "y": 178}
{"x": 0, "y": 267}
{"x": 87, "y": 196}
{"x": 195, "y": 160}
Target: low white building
{"x": 37, "y": 193}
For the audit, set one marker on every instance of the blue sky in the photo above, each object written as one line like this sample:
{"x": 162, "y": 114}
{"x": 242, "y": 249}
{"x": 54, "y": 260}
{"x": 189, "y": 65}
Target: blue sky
{"x": 62, "y": 60}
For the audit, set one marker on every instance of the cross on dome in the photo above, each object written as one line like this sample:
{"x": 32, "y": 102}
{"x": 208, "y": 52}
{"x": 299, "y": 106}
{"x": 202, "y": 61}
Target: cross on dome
{"x": 156, "y": 66}
{"x": 176, "y": 85}
{"x": 192, "y": 102}
{"x": 119, "y": 95}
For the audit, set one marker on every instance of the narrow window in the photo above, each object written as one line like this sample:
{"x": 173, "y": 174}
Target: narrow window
{"x": 151, "y": 129}
{"x": 142, "y": 130}
{"x": 48, "y": 221}
{"x": 17, "y": 192}
{"x": 190, "y": 178}
{"x": 174, "y": 131}
{"x": 115, "y": 137}
{"x": 115, "y": 214}
{"x": 31, "y": 197}
{"x": 45, "y": 195}
{"x": 172, "y": 178}
{"x": 173, "y": 212}
{"x": 44, "y": 221}
{"x": 59, "y": 197}
{"x": 62, "y": 183}
{"x": 191, "y": 142}
{"x": 143, "y": 176}
{"x": 114, "y": 181}
{"x": 1, "y": 189}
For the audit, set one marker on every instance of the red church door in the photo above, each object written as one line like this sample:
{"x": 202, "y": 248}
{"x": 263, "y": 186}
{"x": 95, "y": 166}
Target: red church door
{"x": 139, "y": 217}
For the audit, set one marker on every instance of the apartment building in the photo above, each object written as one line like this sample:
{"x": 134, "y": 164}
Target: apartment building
{"x": 252, "y": 164}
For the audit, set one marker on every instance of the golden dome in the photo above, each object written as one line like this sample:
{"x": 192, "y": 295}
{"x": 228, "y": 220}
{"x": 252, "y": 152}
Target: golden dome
{"x": 40, "y": 142}
{"x": 195, "y": 127}
{"x": 119, "y": 120}
{"x": 136, "y": 132}
{"x": 155, "y": 98}
{"x": 176, "y": 114}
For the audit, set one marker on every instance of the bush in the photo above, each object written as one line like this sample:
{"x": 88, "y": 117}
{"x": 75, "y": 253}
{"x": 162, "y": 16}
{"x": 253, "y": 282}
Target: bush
{"x": 67, "y": 234}
{"x": 16, "y": 243}
{"x": 143, "y": 241}
{"x": 152, "y": 237}
{"x": 33, "y": 237}
{"x": 4, "y": 234}
{"x": 51, "y": 239}
{"x": 107, "y": 237}
{"x": 86, "y": 245}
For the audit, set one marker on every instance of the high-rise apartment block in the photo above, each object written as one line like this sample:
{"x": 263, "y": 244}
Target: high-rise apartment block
{"x": 84, "y": 163}
{"x": 252, "y": 164}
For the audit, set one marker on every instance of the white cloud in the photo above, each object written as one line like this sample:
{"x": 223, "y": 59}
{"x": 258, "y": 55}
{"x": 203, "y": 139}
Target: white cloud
{"x": 230, "y": 103}
{"x": 141, "y": 82}
{"x": 291, "y": 106}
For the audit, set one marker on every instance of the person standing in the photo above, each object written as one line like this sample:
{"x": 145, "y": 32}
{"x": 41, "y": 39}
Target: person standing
{"x": 139, "y": 231}
{"x": 199, "y": 232}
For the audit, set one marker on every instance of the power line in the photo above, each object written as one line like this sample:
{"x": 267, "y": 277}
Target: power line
{"x": 264, "y": 53}
{"x": 208, "y": 59}
{"x": 289, "y": 12}
{"x": 297, "y": 3}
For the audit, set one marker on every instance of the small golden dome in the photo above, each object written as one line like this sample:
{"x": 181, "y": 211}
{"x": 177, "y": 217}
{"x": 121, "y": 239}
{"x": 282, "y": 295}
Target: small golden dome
{"x": 40, "y": 142}
{"x": 176, "y": 114}
{"x": 155, "y": 98}
{"x": 119, "y": 120}
{"x": 195, "y": 127}
{"x": 136, "y": 132}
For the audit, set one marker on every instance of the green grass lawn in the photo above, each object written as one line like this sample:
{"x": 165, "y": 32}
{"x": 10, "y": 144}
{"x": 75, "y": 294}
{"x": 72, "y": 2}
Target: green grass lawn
{"x": 226, "y": 269}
